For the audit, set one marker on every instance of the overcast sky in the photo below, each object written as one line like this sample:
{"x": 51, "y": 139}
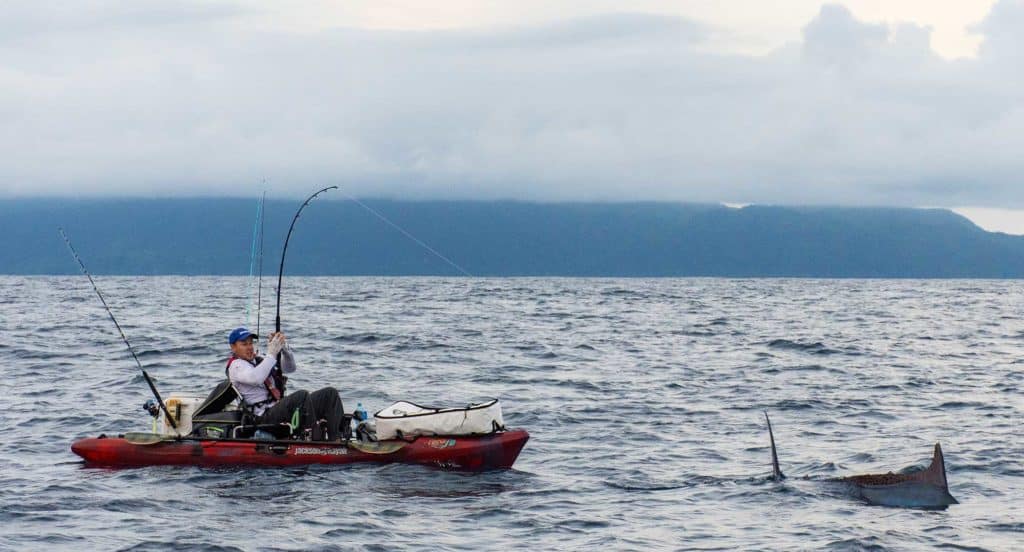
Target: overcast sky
{"x": 903, "y": 102}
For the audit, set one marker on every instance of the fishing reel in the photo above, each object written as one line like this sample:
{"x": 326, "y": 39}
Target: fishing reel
{"x": 152, "y": 407}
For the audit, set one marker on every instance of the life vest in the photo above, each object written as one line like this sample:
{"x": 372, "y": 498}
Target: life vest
{"x": 275, "y": 382}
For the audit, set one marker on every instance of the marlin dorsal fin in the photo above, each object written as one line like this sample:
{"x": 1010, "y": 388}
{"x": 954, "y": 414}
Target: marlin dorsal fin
{"x": 777, "y": 474}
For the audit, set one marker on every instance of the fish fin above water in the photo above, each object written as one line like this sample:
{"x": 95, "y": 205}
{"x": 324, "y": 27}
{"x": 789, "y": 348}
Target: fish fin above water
{"x": 777, "y": 474}
{"x": 934, "y": 474}
{"x": 922, "y": 488}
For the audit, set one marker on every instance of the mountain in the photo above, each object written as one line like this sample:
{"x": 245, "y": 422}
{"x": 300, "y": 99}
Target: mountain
{"x": 502, "y": 238}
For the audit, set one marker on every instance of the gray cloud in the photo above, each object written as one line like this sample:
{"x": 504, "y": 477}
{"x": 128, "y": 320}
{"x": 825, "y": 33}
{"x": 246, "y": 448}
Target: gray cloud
{"x": 191, "y": 100}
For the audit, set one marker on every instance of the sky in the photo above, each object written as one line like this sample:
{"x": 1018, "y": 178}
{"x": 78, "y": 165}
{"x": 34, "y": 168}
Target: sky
{"x": 894, "y": 103}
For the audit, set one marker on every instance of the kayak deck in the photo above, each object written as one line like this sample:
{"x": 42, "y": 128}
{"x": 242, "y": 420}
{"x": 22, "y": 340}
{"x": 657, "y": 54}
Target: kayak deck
{"x": 460, "y": 452}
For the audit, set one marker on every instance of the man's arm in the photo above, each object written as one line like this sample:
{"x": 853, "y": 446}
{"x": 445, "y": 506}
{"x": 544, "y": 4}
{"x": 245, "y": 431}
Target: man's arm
{"x": 241, "y": 371}
{"x": 287, "y": 361}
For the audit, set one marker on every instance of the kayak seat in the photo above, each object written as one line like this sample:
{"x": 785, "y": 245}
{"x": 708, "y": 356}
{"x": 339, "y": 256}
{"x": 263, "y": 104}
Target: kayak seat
{"x": 219, "y": 399}
{"x": 211, "y": 420}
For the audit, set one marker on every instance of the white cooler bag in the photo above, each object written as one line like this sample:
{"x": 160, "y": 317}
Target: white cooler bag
{"x": 405, "y": 419}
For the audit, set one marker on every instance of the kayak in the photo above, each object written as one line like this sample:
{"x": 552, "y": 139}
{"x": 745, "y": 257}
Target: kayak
{"x": 209, "y": 432}
{"x": 493, "y": 451}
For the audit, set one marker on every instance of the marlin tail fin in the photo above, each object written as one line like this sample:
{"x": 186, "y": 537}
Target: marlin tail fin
{"x": 777, "y": 474}
{"x": 936, "y": 472}
{"x": 935, "y": 475}
{"x": 926, "y": 488}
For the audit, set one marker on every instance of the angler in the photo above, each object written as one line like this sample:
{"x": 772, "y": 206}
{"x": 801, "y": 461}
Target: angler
{"x": 260, "y": 385}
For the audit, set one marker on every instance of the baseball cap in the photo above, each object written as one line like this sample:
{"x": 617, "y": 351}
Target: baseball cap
{"x": 240, "y": 333}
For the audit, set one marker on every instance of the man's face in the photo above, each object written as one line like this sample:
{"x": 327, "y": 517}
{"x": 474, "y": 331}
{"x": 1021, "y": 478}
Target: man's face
{"x": 244, "y": 349}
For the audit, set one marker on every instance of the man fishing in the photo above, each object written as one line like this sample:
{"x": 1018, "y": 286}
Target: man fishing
{"x": 261, "y": 387}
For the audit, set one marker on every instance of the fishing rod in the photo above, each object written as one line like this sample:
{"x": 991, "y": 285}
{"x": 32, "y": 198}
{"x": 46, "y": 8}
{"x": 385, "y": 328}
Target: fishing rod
{"x": 280, "y": 271}
{"x": 149, "y": 381}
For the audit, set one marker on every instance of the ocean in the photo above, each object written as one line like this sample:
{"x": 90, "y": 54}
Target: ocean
{"x": 643, "y": 398}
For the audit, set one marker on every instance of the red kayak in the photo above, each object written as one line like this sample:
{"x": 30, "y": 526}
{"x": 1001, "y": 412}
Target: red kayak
{"x": 468, "y": 453}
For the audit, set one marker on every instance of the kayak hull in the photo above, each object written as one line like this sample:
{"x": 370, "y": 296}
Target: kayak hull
{"x": 464, "y": 453}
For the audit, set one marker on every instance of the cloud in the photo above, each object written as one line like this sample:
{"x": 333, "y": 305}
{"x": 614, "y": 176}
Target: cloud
{"x": 1002, "y": 31}
{"x": 28, "y": 19}
{"x": 835, "y": 37}
{"x": 191, "y": 100}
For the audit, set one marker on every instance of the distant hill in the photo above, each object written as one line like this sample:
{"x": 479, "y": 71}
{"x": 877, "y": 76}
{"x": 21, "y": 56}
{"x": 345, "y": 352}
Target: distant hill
{"x": 503, "y": 238}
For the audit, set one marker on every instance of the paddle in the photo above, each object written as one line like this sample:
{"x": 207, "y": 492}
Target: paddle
{"x": 142, "y": 438}
{"x": 376, "y": 448}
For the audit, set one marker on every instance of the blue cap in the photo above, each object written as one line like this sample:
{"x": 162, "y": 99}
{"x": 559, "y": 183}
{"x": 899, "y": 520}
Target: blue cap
{"x": 240, "y": 333}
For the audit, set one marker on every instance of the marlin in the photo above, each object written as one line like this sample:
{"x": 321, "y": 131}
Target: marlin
{"x": 925, "y": 488}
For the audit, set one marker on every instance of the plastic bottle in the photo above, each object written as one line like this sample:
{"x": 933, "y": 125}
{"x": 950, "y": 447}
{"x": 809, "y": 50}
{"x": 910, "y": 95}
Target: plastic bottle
{"x": 360, "y": 412}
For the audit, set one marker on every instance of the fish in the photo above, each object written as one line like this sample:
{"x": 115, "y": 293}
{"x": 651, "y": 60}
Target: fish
{"x": 927, "y": 488}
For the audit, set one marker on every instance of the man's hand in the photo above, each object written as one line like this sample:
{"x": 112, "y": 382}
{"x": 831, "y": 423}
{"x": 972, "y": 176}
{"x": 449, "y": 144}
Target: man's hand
{"x": 277, "y": 342}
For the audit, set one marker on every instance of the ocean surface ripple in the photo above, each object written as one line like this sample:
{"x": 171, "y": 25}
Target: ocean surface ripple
{"x": 643, "y": 398}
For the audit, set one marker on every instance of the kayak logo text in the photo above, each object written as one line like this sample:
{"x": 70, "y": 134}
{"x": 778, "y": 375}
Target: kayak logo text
{"x": 337, "y": 451}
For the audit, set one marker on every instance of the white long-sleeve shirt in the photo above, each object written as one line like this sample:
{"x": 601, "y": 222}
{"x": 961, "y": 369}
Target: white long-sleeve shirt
{"x": 248, "y": 378}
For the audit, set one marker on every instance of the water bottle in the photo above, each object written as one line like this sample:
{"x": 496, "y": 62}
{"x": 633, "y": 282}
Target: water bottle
{"x": 360, "y": 413}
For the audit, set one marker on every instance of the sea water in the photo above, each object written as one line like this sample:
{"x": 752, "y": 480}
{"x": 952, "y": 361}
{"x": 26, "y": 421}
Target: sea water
{"x": 643, "y": 398}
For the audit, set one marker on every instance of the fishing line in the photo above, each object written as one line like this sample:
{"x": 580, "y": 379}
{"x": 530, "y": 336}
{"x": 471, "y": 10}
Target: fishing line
{"x": 409, "y": 235}
{"x": 259, "y": 287}
{"x": 416, "y": 240}
{"x": 252, "y": 263}
{"x": 119, "y": 330}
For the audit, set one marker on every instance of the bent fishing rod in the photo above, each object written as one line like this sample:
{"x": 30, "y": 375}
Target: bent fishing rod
{"x": 149, "y": 381}
{"x": 280, "y": 271}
